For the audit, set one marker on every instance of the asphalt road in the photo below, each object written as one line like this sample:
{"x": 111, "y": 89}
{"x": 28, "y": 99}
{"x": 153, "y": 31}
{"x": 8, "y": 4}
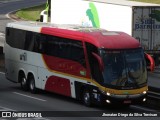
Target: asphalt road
{"x": 154, "y": 80}
{"x": 12, "y": 98}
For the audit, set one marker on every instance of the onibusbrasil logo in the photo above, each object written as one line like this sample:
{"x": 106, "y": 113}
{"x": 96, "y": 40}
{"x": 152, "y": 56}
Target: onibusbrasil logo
{"x": 92, "y": 14}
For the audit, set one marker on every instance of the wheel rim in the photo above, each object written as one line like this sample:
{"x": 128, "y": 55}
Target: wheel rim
{"x": 23, "y": 81}
{"x": 32, "y": 85}
{"x": 86, "y": 98}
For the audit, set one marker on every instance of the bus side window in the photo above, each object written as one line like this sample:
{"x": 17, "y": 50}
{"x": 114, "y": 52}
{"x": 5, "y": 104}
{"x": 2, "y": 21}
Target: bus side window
{"x": 29, "y": 41}
{"x": 39, "y": 43}
{"x": 36, "y": 43}
{"x": 66, "y": 49}
{"x": 7, "y": 32}
{"x": 19, "y": 36}
{"x": 93, "y": 62}
{"x": 15, "y": 37}
{"x": 77, "y": 53}
{"x": 9, "y": 36}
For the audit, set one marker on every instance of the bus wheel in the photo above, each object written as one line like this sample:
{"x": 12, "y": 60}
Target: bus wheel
{"x": 24, "y": 84}
{"x": 32, "y": 86}
{"x": 86, "y": 98}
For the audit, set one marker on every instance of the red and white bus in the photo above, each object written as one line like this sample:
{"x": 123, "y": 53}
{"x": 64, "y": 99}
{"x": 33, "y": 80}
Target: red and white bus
{"x": 85, "y": 63}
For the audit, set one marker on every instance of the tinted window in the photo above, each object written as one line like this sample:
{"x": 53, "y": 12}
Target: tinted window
{"x": 46, "y": 44}
{"x": 29, "y": 42}
{"x": 65, "y": 48}
{"x": 15, "y": 37}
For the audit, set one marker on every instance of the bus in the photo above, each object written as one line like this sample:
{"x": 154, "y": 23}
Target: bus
{"x": 90, "y": 64}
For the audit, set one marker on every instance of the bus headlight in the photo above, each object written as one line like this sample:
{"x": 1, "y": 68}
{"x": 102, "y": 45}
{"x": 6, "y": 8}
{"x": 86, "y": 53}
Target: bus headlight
{"x": 108, "y": 94}
{"x": 144, "y": 92}
{"x": 144, "y": 99}
{"x": 108, "y": 101}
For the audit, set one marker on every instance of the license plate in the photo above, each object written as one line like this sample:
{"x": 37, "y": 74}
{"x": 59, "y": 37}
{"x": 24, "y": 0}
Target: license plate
{"x": 127, "y": 101}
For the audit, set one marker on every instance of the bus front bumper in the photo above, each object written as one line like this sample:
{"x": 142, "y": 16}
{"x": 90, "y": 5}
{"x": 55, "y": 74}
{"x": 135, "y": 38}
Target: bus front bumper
{"x": 124, "y": 99}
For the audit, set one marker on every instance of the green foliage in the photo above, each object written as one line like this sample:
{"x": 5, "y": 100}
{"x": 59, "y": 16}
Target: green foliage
{"x": 32, "y": 13}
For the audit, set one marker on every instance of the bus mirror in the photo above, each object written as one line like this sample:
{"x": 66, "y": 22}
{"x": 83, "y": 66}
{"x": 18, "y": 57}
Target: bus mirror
{"x": 99, "y": 59}
{"x": 151, "y": 62}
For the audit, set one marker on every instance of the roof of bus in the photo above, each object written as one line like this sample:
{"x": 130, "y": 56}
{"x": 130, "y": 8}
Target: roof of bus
{"x": 99, "y": 37}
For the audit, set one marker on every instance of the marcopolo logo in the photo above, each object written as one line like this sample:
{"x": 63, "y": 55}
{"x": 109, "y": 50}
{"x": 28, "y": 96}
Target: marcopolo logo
{"x": 151, "y": 22}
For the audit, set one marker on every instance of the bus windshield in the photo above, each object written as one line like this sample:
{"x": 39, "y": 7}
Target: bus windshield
{"x": 124, "y": 68}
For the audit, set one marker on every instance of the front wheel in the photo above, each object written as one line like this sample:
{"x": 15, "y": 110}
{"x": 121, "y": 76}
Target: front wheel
{"x": 86, "y": 98}
{"x": 32, "y": 86}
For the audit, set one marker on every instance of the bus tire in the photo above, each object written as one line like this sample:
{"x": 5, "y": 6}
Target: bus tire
{"x": 86, "y": 98}
{"x": 32, "y": 86}
{"x": 23, "y": 82}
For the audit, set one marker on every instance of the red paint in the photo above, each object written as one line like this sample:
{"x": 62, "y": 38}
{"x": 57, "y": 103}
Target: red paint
{"x": 152, "y": 62}
{"x": 87, "y": 61}
{"x": 58, "y": 85}
{"x": 64, "y": 66}
{"x": 100, "y": 61}
{"x": 119, "y": 41}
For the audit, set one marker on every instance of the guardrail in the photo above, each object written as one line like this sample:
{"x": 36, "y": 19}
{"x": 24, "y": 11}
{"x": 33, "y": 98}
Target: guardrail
{"x": 154, "y": 93}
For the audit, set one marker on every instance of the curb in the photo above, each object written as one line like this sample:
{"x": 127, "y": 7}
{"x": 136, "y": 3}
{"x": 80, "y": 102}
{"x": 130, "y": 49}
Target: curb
{"x": 11, "y": 15}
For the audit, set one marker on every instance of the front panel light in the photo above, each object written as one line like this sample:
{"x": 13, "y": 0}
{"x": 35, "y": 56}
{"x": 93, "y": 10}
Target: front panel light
{"x": 144, "y": 92}
{"x": 108, "y": 94}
